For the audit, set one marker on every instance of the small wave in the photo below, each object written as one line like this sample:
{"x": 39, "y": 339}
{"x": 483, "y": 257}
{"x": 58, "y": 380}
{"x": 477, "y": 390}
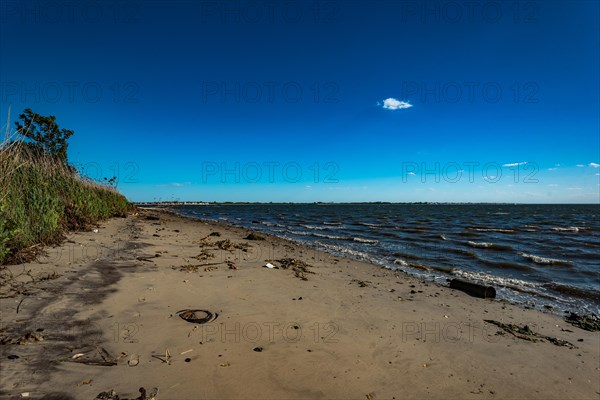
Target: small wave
{"x": 507, "y": 265}
{"x": 544, "y": 260}
{"x": 499, "y": 230}
{"x": 512, "y": 283}
{"x": 369, "y": 224}
{"x": 301, "y": 233}
{"x": 267, "y": 223}
{"x": 406, "y": 255}
{"x": 361, "y": 240}
{"x": 574, "y": 291}
{"x": 399, "y": 261}
{"x": 419, "y": 266}
{"x": 443, "y": 237}
{"x": 332, "y": 223}
{"x": 465, "y": 252}
{"x": 493, "y": 246}
{"x": 319, "y": 228}
{"x": 446, "y": 270}
{"x": 569, "y": 229}
{"x": 344, "y": 250}
{"x": 322, "y": 235}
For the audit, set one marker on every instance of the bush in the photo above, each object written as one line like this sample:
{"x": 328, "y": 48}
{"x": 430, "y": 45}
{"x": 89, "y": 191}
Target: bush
{"x": 41, "y": 198}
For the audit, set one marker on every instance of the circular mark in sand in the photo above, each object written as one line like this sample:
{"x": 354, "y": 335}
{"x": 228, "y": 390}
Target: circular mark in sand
{"x": 197, "y": 316}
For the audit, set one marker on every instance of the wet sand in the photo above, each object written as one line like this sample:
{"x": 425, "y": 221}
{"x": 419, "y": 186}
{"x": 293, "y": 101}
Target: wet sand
{"x": 105, "y": 304}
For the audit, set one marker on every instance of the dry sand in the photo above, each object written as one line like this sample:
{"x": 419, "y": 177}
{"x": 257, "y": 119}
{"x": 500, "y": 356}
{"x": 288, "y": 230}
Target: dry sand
{"x": 348, "y": 330}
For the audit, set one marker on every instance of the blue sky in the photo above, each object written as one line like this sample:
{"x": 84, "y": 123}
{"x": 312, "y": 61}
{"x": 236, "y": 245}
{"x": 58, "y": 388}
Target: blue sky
{"x": 316, "y": 101}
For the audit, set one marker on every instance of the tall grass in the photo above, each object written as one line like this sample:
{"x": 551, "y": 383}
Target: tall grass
{"x": 41, "y": 199}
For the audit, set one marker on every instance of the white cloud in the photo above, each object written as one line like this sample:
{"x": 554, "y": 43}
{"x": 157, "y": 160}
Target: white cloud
{"x": 557, "y": 165}
{"x": 552, "y": 169}
{"x": 411, "y": 173}
{"x": 395, "y": 104}
{"x": 594, "y": 165}
{"x": 553, "y": 185}
{"x": 175, "y": 184}
{"x": 580, "y": 165}
{"x": 515, "y": 164}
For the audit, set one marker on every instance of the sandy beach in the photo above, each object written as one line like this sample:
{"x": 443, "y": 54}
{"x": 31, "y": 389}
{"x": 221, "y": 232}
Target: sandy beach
{"x": 101, "y": 312}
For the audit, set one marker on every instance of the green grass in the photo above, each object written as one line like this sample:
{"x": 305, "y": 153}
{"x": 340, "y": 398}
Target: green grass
{"x": 41, "y": 199}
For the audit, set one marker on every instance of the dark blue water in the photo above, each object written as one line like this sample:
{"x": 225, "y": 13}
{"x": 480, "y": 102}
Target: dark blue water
{"x": 533, "y": 254}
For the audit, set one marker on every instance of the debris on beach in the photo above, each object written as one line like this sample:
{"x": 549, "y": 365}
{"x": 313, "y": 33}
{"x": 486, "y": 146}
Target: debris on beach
{"x": 197, "y": 316}
{"x": 299, "y": 267}
{"x": 112, "y": 395}
{"x": 254, "y": 236}
{"x": 30, "y": 337}
{"x": 360, "y": 283}
{"x": 231, "y": 265}
{"x": 473, "y": 289}
{"x": 270, "y": 266}
{"x": 525, "y": 333}
{"x": 144, "y": 395}
{"x": 230, "y": 246}
{"x": 188, "y": 268}
{"x": 134, "y": 360}
{"x": 587, "y": 322}
{"x": 166, "y": 359}
{"x": 204, "y": 255}
{"x": 99, "y": 357}
{"x": 147, "y": 258}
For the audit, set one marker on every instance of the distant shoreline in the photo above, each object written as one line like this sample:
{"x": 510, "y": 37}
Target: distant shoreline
{"x": 207, "y": 203}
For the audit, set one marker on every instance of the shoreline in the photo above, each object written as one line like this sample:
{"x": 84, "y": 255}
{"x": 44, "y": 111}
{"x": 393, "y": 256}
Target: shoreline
{"x": 521, "y": 296}
{"x": 325, "y": 326}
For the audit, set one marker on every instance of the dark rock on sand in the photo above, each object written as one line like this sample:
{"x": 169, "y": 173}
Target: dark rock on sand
{"x": 588, "y": 322}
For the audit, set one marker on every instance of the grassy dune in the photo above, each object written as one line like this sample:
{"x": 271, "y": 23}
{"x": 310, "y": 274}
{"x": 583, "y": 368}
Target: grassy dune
{"x": 41, "y": 198}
